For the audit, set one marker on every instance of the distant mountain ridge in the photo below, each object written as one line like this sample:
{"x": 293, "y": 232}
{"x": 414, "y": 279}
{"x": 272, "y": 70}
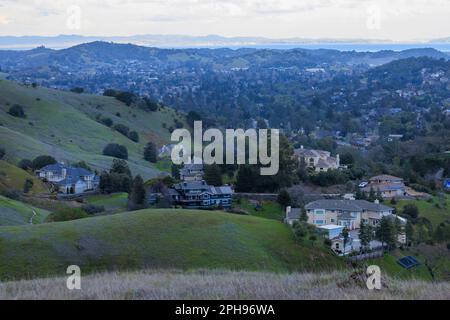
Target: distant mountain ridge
{"x": 184, "y": 41}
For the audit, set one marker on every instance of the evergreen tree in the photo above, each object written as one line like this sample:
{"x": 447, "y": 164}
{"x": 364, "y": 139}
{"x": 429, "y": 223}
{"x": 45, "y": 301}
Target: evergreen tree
{"x": 386, "y": 233}
{"x": 346, "y": 235}
{"x": 150, "y": 153}
{"x": 213, "y": 175}
{"x": 284, "y": 199}
{"x": 409, "y": 232}
{"x": 245, "y": 179}
{"x": 372, "y": 196}
{"x": 136, "y": 198}
{"x": 365, "y": 235}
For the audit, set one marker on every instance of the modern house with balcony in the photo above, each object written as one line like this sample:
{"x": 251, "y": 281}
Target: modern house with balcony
{"x": 198, "y": 194}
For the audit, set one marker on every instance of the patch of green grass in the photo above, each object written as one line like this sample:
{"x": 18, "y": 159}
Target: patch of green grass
{"x": 164, "y": 165}
{"x": 116, "y": 202}
{"x": 12, "y": 177}
{"x": 162, "y": 238}
{"x": 436, "y": 211}
{"x": 269, "y": 209}
{"x": 14, "y": 212}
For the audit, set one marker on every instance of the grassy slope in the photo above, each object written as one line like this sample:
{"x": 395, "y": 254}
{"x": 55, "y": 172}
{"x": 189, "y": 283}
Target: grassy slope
{"x": 14, "y": 213}
{"x": 429, "y": 210}
{"x": 12, "y": 177}
{"x": 63, "y": 125}
{"x": 157, "y": 239}
{"x": 269, "y": 210}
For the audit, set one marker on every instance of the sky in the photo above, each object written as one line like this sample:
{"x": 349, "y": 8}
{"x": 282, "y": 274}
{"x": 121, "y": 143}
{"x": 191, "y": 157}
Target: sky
{"x": 398, "y": 20}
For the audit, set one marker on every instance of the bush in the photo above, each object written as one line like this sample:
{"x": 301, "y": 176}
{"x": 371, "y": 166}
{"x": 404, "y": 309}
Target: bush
{"x": 67, "y": 214}
{"x": 134, "y": 136}
{"x": 28, "y": 185}
{"x": 2, "y": 153}
{"x": 25, "y": 164}
{"x": 109, "y": 93}
{"x": 121, "y": 128}
{"x": 150, "y": 152}
{"x": 17, "y": 111}
{"x": 42, "y": 161}
{"x": 116, "y": 150}
{"x": 77, "y": 90}
{"x": 92, "y": 208}
{"x": 106, "y": 121}
{"x": 125, "y": 97}
{"x": 411, "y": 210}
{"x": 12, "y": 194}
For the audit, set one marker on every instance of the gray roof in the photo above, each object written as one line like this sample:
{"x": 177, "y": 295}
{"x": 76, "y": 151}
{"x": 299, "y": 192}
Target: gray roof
{"x": 192, "y": 185}
{"x": 347, "y": 205}
{"x": 70, "y": 171}
{"x": 294, "y": 214}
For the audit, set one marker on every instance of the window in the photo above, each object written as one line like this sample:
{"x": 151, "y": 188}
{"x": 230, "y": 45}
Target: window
{"x": 318, "y": 222}
{"x": 331, "y": 220}
{"x": 319, "y": 211}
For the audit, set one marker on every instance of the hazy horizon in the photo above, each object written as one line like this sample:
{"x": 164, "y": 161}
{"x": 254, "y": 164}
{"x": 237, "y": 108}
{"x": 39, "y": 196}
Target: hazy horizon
{"x": 394, "y": 20}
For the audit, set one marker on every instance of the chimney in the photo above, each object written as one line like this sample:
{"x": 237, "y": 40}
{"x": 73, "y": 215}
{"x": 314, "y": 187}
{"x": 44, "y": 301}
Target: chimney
{"x": 288, "y": 210}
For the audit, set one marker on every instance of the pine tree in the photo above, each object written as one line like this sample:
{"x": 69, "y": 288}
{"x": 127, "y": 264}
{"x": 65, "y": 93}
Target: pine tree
{"x": 136, "y": 198}
{"x": 386, "y": 233}
{"x": 213, "y": 175}
{"x": 150, "y": 153}
{"x": 365, "y": 235}
{"x": 409, "y": 232}
{"x": 372, "y": 196}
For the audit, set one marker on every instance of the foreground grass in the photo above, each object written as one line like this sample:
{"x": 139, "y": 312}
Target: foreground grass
{"x": 222, "y": 285}
{"x": 164, "y": 238}
{"x": 14, "y": 213}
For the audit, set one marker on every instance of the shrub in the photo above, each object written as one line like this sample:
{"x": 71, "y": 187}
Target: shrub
{"x": 92, "y": 208}
{"x": 106, "y": 121}
{"x": 125, "y": 97}
{"x": 77, "y": 90}
{"x": 41, "y": 161}
{"x": 411, "y": 210}
{"x": 2, "y": 153}
{"x": 17, "y": 111}
{"x": 116, "y": 150}
{"x": 12, "y": 194}
{"x": 67, "y": 214}
{"x": 25, "y": 164}
{"x": 134, "y": 136}
{"x": 28, "y": 185}
{"x": 121, "y": 128}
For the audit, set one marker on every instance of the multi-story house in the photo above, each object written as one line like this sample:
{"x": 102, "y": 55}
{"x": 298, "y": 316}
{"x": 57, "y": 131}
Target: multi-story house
{"x": 192, "y": 172}
{"x": 347, "y": 213}
{"x": 389, "y": 186}
{"x": 317, "y": 160}
{"x": 69, "y": 180}
{"x": 198, "y": 194}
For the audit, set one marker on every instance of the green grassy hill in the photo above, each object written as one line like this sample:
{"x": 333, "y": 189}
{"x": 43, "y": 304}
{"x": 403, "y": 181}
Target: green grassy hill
{"x": 170, "y": 238}
{"x": 14, "y": 213}
{"x": 62, "y": 124}
{"x": 13, "y": 178}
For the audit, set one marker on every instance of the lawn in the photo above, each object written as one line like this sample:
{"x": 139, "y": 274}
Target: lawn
{"x": 13, "y": 213}
{"x": 162, "y": 238}
{"x": 268, "y": 209}
{"x": 436, "y": 211}
{"x": 116, "y": 202}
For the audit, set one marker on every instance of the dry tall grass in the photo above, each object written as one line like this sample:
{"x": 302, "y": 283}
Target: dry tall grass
{"x": 221, "y": 285}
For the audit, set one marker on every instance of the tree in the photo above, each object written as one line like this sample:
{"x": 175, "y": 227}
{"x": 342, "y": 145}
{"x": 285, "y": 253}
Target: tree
{"x": 121, "y": 128}
{"x": 42, "y": 161}
{"x": 2, "y": 153}
{"x": 411, "y": 210}
{"x": 284, "y": 199}
{"x": 372, "y": 197}
{"x": 213, "y": 175}
{"x": 116, "y": 150}
{"x": 345, "y": 235}
{"x": 365, "y": 235}
{"x": 77, "y": 90}
{"x": 386, "y": 233}
{"x": 28, "y": 185}
{"x": 134, "y": 136}
{"x": 17, "y": 111}
{"x": 409, "y": 233}
{"x": 245, "y": 179}
{"x": 120, "y": 167}
{"x": 25, "y": 164}
{"x": 137, "y": 196}
{"x": 150, "y": 152}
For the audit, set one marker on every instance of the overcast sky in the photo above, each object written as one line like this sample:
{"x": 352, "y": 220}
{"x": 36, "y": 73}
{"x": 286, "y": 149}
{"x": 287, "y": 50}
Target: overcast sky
{"x": 400, "y": 20}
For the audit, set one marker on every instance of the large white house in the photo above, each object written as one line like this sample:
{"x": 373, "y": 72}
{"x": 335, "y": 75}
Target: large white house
{"x": 69, "y": 180}
{"x": 318, "y": 160}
